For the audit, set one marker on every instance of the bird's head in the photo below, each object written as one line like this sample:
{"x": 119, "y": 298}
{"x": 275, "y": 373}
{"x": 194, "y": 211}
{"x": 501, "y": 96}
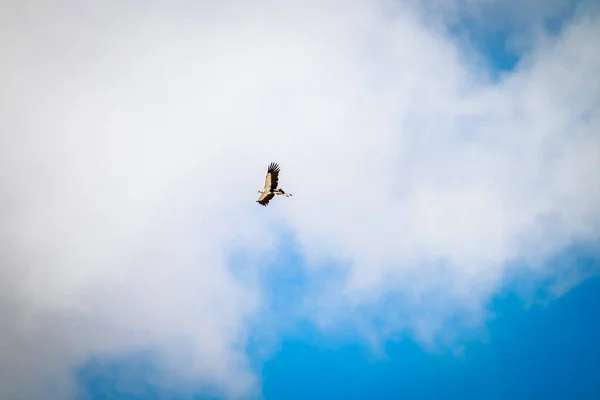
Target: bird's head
{"x": 259, "y": 191}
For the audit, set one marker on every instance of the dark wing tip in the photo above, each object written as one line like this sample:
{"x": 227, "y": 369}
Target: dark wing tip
{"x": 273, "y": 167}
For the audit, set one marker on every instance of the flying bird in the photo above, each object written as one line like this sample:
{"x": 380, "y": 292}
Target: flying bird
{"x": 271, "y": 182}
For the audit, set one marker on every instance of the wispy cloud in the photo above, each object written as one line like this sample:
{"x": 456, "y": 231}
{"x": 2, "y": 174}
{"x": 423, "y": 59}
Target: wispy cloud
{"x": 134, "y": 138}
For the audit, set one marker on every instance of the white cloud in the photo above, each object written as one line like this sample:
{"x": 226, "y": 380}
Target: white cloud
{"x": 134, "y": 139}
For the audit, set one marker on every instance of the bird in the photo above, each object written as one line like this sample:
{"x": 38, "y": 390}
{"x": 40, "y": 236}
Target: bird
{"x": 271, "y": 182}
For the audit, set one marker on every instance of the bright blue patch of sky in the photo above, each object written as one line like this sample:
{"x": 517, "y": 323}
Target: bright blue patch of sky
{"x": 495, "y": 41}
{"x": 492, "y": 44}
{"x": 550, "y": 353}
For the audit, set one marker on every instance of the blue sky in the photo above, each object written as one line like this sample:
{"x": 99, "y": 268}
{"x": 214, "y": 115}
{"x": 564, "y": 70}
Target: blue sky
{"x": 540, "y": 350}
{"x": 442, "y": 240}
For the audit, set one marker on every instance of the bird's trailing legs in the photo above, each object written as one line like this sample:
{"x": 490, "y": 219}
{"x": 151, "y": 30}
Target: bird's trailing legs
{"x": 281, "y": 192}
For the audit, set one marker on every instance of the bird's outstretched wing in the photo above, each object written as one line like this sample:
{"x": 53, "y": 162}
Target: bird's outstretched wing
{"x": 272, "y": 178}
{"x": 264, "y": 198}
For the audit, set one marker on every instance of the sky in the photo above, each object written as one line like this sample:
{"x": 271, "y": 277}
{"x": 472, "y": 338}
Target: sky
{"x": 443, "y": 237}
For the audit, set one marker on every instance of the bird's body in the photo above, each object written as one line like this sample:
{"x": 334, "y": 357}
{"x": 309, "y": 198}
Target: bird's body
{"x": 270, "y": 190}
